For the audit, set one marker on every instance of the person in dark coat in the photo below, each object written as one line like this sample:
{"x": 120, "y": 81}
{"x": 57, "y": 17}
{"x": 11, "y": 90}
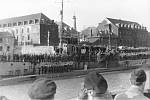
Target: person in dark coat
{"x": 94, "y": 87}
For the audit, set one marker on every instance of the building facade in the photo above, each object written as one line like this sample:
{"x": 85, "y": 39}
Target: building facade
{"x": 69, "y": 35}
{"x": 128, "y": 33}
{"x": 7, "y": 42}
{"x": 88, "y": 33}
{"x": 99, "y": 38}
{"x": 36, "y": 29}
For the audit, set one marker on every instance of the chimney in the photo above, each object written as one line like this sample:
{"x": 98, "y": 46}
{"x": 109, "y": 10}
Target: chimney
{"x": 74, "y": 18}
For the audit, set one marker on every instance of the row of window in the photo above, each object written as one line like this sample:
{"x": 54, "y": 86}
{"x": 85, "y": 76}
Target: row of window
{"x": 1, "y": 48}
{"x": 129, "y": 34}
{"x": 25, "y": 43}
{"x": 4, "y": 39}
{"x": 130, "y": 42}
{"x": 23, "y": 37}
{"x": 130, "y": 26}
{"x": 22, "y": 30}
{"x": 35, "y": 21}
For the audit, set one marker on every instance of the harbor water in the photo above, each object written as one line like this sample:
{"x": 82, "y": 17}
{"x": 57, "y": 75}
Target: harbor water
{"x": 69, "y": 88}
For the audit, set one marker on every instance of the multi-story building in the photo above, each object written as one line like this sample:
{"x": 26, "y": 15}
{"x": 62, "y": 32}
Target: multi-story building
{"x": 6, "y": 45}
{"x": 128, "y": 33}
{"x": 69, "y": 34}
{"x": 36, "y": 29}
{"x": 88, "y": 32}
{"x": 99, "y": 38}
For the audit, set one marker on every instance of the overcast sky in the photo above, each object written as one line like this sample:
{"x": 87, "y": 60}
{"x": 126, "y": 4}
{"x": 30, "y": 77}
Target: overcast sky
{"x": 88, "y": 12}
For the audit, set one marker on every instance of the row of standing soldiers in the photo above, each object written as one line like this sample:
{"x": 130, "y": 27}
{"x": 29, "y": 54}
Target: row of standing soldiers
{"x": 41, "y": 58}
{"x": 54, "y": 69}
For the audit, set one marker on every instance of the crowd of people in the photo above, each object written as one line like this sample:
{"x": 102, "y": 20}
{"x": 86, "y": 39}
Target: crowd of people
{"x": 94, "y": 87}
{"x": 55, "y": 69}
{"x": 41, "y": 58}
{"x": 134, "y": 57}
{"x": 82, "y": 55}
{"x": 134, "y": 54}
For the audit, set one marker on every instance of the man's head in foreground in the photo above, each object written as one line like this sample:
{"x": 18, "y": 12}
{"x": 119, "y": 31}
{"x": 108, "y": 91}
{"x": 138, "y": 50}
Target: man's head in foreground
{"x": 138, "y": 78}
{"x": 42, "y": 89}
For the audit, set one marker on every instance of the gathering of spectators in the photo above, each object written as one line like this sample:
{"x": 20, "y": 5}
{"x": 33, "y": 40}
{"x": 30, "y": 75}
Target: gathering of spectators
{"x": 41, "y": 58}
{"x": 94, "y": 87}
{"x": 42, "y": 89}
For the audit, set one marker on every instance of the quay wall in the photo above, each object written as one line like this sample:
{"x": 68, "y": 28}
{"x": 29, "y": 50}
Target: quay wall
{"x": 26, "y": 68}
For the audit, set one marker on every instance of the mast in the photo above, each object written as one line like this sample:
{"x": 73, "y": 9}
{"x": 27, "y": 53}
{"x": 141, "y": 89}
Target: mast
{"x": 48, "y": 39}
{"x": 61, "y": 26}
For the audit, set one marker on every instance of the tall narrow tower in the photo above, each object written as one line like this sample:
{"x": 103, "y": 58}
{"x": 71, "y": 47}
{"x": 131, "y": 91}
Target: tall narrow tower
{"x": 74, "y": 17}
{"x": 75, "y": 28}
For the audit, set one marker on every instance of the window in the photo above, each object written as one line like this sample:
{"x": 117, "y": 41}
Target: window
{"x": 20, "y": 23}
{"x": 17, "y": 38}
{"x": 31, "y": 22}
{"x": 1, "y": 40}
{"x": 9, "y": 24}
{"x": 6, "y": 40}
{"x": 8, "y": 48}
{"x": 1, "y": 48}
{"x": 28, "y": 37}
{"x": 22, "y": 30}
{"x": 28, "y": 30}
{"x": 36, "y": 21}
{"x": 42, "y": 21}
{"x": 16, "y": 31}
{"x": 4, "y": 25}
{"x": 14, "y": 24}
{"x": 25, "y": 22}
{"x": 0, "y": 25}
{"x": 22, "y": 38}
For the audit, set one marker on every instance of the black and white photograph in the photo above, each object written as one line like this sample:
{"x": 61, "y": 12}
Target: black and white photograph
{"x": 75, "y": 50}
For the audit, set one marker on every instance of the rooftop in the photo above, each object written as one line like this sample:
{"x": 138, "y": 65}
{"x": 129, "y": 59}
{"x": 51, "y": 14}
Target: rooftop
{"x": 23, "y": 18}
{"x": 116, "y": 21}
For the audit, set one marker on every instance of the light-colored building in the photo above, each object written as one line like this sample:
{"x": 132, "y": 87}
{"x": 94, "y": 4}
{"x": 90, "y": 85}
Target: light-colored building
{"x": 34, "y": 29}
{"x": 7, "y": 41}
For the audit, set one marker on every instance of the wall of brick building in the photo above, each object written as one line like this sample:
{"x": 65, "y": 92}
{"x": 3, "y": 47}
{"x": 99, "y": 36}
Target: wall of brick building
{"x": 126, "y": 37}
{"x": 53, "y": 34}
{"x": 133, "y": 37}
{"x": 128, "y": 33}
{"x": 142, "y": 38}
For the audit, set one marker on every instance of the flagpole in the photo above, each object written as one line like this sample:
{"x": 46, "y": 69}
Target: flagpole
{"x": 48, "y": 39}
{"x": 61, "y": 28}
